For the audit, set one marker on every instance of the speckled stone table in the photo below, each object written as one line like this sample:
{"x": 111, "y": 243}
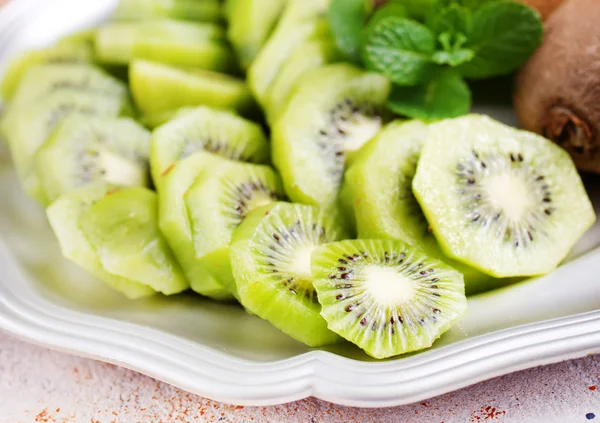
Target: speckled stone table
{"x": 39, "y": 385}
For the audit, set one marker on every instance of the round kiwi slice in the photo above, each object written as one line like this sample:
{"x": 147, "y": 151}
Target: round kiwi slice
{"x": 218, "y": 202}
{"x": 270, "y": 259}
{"x": 216, "y": 131}
{"x": 123, "y": 229}
{"x": 27, "y": 126}
{"x": 69, "y": 53}
{"x": 177, "y": 43}
{"x": 63, "y": 216}
{"x": 175, "y": 224}
{"x": 250, "y": 23}
{"x": 505, "y": 201}
{"x": 41, "y": 80}
{"x": 300, "y": 20}
{"x": 311, "y": 54}
{"x": 84, "y": 150}
{"x": 378, "y": 193}
{"x": 386, "y": 296}
{"x": 159, "y": 88}
{"x": 193, "y": 10}
{"x": 334, "y": 110}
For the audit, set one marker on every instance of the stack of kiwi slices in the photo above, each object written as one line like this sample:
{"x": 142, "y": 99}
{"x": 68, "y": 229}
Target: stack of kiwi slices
{"x": 227, "y": 149}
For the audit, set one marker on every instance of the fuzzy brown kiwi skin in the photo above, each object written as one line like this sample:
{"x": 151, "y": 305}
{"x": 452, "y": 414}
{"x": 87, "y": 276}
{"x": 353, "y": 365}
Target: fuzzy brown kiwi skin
{"x": 558, "y": 91}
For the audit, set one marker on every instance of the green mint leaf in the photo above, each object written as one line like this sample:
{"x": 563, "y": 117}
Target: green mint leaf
{"x": 419, "y": 9}
{"x": 389, "y": 9}
{"x": 453, "y": 18}
{"x": 446, "y": 96}
{"x": 503, "y": 36}
{"x": 346, "y": 21}
{"x": 401, "y": 49}
{"x": 453, "y": 58}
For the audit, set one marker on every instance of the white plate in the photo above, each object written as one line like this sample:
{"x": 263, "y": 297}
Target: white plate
{"x": 221, "y": 352}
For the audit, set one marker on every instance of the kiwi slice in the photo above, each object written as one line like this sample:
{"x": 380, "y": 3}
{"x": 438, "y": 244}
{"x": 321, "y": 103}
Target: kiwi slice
{"x": 334, "y": 110}
{"x": 250, "y": 23}
{"x": 378, "y": 193}
{"x": 216, "y": 131}
{"x": 300, "y": 21}
{"x": 160, "y": 88}
{"x": 64, "y": 215}
{"x": 193, "y": 10}
{"x": 27, "y": 126}
{"x": 505, "y": 201}
{"x": 157, "y": 119}
{"x": 84, "y": 37}
{"x": 69, "y": 53}
{"x": 84, "y": 150}
{"x": 172, "y": 42}
{"x": 175, "y": 224}
{"x": 123, "y": 229}
{"x": 270, "y": 259}
{"x": 311, "y": 54}
{"x": 386, "y": 296}
{"x": 41, "y": 80}
{"x": 217, "y": 202}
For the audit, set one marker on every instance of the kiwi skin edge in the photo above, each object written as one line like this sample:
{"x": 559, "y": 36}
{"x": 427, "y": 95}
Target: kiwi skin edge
{"x": 558, "y": 90}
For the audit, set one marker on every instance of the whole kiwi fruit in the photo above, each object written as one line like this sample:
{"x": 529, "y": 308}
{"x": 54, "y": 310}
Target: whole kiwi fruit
{"x": 558, "y": 90}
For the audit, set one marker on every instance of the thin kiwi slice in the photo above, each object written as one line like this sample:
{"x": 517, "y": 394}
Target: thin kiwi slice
{"x": 193, "y": 10}
{"x": 84, "y": 150}
{"x": 311, "y": 54}
{"x": 378, "y": 191}
{"x": 270, "y": 258}
{"x": 175, "y": 224}
{"x": 217, "y": 202}
{"x": 41, "y": 80}
{"x": 69, "y": 53}
{"x": 63, "y": 216}
{"x": 123, "y": 229}
{"x": 386, "y": 296}
{"x": 160, "y": 88}
{"x": 300, "y": 21}
{"x": 83, "y": 37}
{"x": 155, "y": 120}
{"x": 250, "y": 23}
{"x": 216, "y": 131}
{"x": 505, "y": 201}
{"x": 176, "y": 43}
{"x": 334, "y": 110}
{"x": 27, "y": 126}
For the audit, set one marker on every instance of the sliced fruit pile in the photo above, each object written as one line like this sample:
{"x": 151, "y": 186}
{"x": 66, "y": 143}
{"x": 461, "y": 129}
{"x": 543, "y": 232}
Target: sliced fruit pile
{"x": 367, "y": 228}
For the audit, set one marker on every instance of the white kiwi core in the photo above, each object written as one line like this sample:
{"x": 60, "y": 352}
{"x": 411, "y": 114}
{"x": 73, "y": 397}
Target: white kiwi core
{"x": 387, "y": 286}
{"x": 360, "y": 129}
{"x": 300, "y": 264}
{"x": 508, "y": 192}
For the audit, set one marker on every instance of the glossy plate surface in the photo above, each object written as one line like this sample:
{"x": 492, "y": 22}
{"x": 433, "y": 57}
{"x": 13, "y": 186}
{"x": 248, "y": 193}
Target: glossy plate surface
{"x": 221, "y": 352}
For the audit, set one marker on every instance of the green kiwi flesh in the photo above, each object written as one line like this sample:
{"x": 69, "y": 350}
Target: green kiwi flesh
{"x": 85, "y": 150}
{"x": 333, "y": 111}
{"x": 41, "y": 80}
{"x": 18, "y": 66}
{"x": 300, "y": 21}
{"x": 505, "y": 201}
{"x": 378, "y": 193}
{"x": 250, "y": 23}
{"x": 217, "y": 131}
{"x": 192, "y": 10}
{"x": 123, "y": 229}
{"x": 155, "y": 120}
{"x": 176, "y": 43}
{"x": 175, "y": 224}
{"x": 63, "y": 216}
{"x": 311, "y": 54}
{"x": 27, "y": 126}
{"x": 386, "y": 296}
{"x": 270, "y": 259}
{"x": 159, "y": 88}
{"x": 218, "y": 202}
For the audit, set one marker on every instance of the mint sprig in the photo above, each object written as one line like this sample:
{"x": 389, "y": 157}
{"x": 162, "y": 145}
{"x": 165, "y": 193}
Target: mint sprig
{"x": 427, "y": 47}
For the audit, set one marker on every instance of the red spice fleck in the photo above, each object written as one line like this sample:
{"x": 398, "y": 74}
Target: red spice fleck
{"x": 238, "y": 407}
{"x": 592, "y": 388}
{"x": 57, "y": 410}
{"x": 42, "y": 416}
